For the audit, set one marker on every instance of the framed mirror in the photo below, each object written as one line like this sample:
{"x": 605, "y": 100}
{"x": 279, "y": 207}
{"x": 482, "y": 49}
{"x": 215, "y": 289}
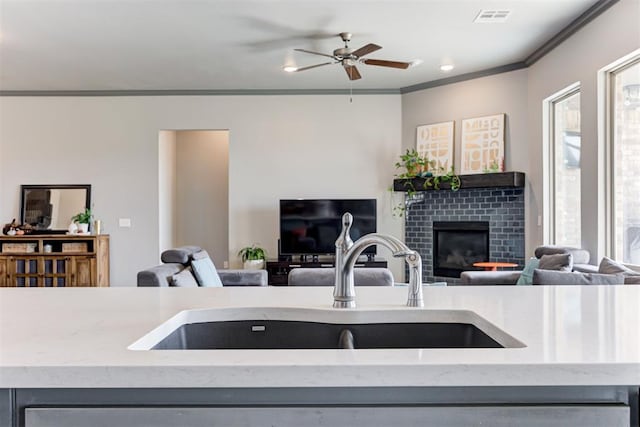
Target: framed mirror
{"x": 49, "y": 208}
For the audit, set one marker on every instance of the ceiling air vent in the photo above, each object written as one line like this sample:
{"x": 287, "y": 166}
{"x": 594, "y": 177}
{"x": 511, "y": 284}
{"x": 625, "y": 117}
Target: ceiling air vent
{"x": 492, "y": 16}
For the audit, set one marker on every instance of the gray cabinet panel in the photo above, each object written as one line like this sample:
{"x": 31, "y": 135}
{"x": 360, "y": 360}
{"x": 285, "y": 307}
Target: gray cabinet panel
{"x": 496, "y": 416}
{"x": 6, "y": 407}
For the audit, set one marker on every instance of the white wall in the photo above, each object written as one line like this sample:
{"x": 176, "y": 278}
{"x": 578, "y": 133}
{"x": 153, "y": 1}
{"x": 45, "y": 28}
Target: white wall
{"x": 612, "y": 35}
{"x": 500, "y": 93}
{"x": 280, "y": 147}
{"x": 202, "y": 192}
{"x": 166, "y": 190}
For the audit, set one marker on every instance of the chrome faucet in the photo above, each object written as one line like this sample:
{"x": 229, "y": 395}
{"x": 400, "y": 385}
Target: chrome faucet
{"x": 347, "y": 253}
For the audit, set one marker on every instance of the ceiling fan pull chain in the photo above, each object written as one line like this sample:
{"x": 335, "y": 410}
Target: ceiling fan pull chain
{"x": 351, "y": 91}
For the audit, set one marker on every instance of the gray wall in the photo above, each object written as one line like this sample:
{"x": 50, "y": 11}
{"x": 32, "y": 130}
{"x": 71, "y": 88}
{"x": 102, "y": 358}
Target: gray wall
{"x": 501, "y": 93}
{"x": 202, "y": 192}
{"x": 612, "y": 35}
{"x": 279, "y": 147}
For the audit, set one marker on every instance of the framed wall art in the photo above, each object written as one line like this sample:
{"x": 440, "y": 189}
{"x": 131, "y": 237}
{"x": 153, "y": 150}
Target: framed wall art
{"x": 436, "y": 142}
{"x": 482, "y": 144}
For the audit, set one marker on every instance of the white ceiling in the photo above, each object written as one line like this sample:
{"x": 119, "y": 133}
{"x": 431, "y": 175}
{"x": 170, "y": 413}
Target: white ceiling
{"x": 226, "y": 45}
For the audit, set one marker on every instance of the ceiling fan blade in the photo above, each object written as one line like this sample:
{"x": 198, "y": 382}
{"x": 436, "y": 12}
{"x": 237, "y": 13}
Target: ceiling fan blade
{"x": 365, "y": 50}
{"x": 383, "y": 63}
{"x": 313, "y": 66}
{"x": 315, "y": 53}
{"x": 352, "y": 72}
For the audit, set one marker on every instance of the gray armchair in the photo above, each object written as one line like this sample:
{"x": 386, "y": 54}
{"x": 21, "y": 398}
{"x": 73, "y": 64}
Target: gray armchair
{"x": 177, "y": 262}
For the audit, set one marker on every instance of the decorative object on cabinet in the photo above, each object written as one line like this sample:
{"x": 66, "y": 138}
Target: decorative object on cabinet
{"x": 13, "y": 229}
{"x": 10, "y": 229}
{"x": 48, "y": 208}
{"x": 482, "y": 144}
{"x": 435, "y": 142}
{"x": 83, "y": 219}
{"x": 54, "y": 261}
{"x": 97, "y": 226}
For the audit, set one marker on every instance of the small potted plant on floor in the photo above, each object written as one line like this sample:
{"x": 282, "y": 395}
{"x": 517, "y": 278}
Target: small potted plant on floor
{"x": 253, "y": 257}
{"x": 83, "y": 219}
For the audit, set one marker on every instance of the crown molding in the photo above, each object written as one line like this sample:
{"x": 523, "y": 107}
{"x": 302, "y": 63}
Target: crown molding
{"x": 463, "y": 77}
{"x": 589, "y": 15}
{"x": 200, "y": 92}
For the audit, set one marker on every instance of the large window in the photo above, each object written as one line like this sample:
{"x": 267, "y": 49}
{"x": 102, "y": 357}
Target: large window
{"x": 565, "y": 169}
{"x": 624, "y": 152}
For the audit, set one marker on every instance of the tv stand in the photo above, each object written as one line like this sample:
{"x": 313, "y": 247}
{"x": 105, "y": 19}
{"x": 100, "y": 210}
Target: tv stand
{"x": 278, "y": 271}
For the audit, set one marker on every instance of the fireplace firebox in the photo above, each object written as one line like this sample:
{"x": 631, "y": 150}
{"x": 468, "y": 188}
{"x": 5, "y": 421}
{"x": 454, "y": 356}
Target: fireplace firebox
{"x": 457, "y": 245}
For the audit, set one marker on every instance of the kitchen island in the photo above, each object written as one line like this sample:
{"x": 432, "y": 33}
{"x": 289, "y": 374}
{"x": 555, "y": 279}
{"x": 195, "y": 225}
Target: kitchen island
{"x": 69, "y": 355}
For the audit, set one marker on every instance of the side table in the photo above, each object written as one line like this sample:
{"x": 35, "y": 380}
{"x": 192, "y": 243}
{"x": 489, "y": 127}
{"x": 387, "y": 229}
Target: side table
{"x": 493, "y": 266}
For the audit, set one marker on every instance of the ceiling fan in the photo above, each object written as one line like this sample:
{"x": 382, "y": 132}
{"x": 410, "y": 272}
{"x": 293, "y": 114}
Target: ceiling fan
{"x": 348, "y": 58}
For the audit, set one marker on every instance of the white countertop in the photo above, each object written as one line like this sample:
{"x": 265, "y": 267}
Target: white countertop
{"x": 79, "y": 337}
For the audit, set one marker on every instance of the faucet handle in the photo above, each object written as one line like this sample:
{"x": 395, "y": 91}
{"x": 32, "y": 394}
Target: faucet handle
{"x": 344, "y": 241}
{"x": 415, "y": 297}
{"x": 403, "y": 254}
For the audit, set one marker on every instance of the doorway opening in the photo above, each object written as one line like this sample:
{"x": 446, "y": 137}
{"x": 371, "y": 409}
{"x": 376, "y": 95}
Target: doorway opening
{"x": 193, "y": 191}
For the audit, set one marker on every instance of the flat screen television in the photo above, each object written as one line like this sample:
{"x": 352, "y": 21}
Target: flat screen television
{"x": 311, "y": 226}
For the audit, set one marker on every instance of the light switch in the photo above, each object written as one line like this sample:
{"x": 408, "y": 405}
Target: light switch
{"x": 124, "y": 222}
{"x": 225, "y": 264}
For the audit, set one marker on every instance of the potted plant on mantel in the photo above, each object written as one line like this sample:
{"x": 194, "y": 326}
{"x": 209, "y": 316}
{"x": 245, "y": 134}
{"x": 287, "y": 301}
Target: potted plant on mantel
{"x": 253, "y": 257}
{"x": 83, "y": 219}
{"x": 421, "y": 167}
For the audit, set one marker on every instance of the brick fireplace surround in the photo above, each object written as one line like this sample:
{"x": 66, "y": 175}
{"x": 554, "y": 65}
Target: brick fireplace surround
{"x": 503, "y": 208}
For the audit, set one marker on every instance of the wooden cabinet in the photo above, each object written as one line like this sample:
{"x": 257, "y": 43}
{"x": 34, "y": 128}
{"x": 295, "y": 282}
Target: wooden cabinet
{"x": 54, "y": 261}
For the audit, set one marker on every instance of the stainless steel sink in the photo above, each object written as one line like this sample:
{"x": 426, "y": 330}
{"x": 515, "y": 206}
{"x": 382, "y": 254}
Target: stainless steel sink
{"x": 278, "y": 334}
{"x": 272, "y": 328}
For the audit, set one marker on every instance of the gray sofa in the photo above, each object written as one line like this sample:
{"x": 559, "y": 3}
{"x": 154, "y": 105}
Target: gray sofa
{"x": 174, "y": 261}
{"x": 326, "y": 277}
{"x": 506, "y": 277}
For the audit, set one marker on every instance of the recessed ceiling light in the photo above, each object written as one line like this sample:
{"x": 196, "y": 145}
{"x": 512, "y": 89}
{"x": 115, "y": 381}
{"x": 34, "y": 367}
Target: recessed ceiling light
{"x": 446, "y": 67}
{"x": 289, "y": 69}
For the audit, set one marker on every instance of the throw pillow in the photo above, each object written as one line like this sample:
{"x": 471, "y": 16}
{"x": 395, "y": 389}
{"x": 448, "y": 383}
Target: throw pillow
{"x": 184, "y": 279}
{"x": 609, "y": 266}
{"x": 204, "y": 270}
{"x": 549, "y": 277}
{"x": 526, "y": 277}
{"x": 558, "y": 262}
{"x": 580, "y": 256}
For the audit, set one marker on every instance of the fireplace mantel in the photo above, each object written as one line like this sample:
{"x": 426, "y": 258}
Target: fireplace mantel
{"x": 482, "y": 180}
